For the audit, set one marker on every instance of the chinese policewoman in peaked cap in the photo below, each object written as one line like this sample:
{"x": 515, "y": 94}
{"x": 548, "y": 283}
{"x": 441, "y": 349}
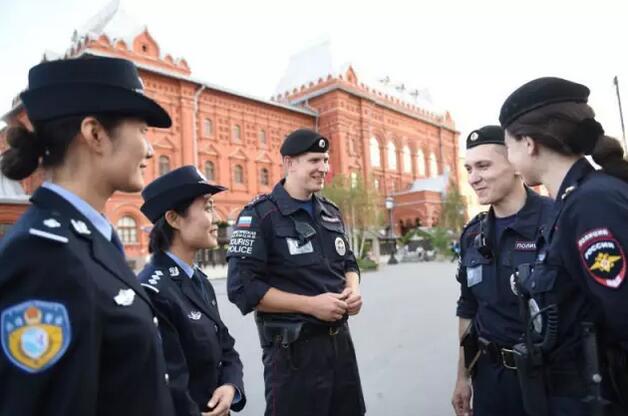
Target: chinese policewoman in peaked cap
{"x": 205, "y": 370}
{"x": 79, "y": 333}
{"x": 577, "y": 334}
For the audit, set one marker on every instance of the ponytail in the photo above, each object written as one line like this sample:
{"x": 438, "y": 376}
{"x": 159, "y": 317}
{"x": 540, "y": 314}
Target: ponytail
{"x": 609, "y": 154}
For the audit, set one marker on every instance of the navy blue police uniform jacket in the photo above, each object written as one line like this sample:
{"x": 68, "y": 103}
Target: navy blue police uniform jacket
{"x": 580, "y": 268}
{"x": 79, "y": 333}
{"x": 272, "y": 247}
{"x": 486, "y": 281}
{"x": 199, "y": 350}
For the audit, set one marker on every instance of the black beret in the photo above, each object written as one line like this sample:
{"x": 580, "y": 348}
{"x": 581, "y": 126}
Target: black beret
{"x": 538, "y": 93}
{"x": 302, "y": 141}
{"x": 485, "y": 135}
{"x": 179, "y": 185}
{"x": 92, "y": 85}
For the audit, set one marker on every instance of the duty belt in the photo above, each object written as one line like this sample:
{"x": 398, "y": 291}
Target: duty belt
{"x": 498, "y": 354}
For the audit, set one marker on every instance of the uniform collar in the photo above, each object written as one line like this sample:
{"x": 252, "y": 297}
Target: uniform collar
{"x": 574, "y": 175}
{"x": 527, "y": 219}
{"x": 94, "y": 217}
{"x": 187, "y": 269}
{"x": 288, "y": 205}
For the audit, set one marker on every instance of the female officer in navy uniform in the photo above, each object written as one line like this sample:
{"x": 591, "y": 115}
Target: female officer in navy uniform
{"x": 79, "y": 335}
{"x": 577, "y": 288}
{"x": 205, "y": 369}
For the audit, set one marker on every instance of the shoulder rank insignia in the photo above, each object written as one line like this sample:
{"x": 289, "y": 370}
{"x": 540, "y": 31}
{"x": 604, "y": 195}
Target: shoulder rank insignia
{"x": 174, "y": 271}
{"x": 80, "y": 227}
{"x": 35, "y": 334}
{"x": 52, "y": 223}
{"x": 48, "y": 235}
{"x": 603, "y": 257}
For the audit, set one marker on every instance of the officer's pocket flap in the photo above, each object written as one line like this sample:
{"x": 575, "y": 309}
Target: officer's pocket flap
{"x": 333, "y": 226}
{"x": 473, "y": 258}
{"x": 543, "y": 278}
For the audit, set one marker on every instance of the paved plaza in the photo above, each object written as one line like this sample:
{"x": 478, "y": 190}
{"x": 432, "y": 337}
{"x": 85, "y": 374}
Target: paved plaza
{"x": 405, "y": 340}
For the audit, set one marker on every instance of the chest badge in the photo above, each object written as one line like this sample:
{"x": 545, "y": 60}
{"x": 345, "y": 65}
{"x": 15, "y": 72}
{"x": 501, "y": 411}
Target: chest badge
{"x": 195, "y": 315}
{"x": 125, "y": 297}
{"x": 341, "y": 248}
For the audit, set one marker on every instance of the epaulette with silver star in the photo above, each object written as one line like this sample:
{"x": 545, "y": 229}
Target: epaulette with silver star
{"x": 153, "y": 281}
{"x": 329, "y": 201}
{"x": 51, "y": 228}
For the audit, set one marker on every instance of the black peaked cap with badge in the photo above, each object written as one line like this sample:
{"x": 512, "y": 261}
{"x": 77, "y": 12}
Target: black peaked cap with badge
{"x": 302, "y": 141}
{"x": 167, "y": 191}
{"x": 485, "y": 135}
{"x": 89, "y": 85}
{"x": 539, "y": 93}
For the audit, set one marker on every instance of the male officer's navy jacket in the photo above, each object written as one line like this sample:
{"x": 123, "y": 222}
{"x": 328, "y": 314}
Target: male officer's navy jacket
{"x": 199, "y": 350}
{"x": 486, "y": 292}
{"x": 79, "y": 334}
{"x": 580, "y": 269}
{"x": 271, "y": 247}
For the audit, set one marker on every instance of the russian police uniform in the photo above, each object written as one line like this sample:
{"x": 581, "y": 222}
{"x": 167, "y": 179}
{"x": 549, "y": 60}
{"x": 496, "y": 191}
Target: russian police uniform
{"x": 199, "y": 350}
{"x": 310, "y": 367}
{"x": 491, "y": 250}
{"x": 577, "y": 290}
{"x": 79, "y": 334}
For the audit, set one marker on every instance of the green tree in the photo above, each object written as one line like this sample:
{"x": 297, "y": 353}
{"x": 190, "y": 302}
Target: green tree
{"x": 452, "y": 215}
{"x": 361, "y": 207}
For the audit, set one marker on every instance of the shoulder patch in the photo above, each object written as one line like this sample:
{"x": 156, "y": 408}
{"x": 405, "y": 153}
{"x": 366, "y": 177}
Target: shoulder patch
{"x": 35, "y": 334}
{"x": 603, "y": 257}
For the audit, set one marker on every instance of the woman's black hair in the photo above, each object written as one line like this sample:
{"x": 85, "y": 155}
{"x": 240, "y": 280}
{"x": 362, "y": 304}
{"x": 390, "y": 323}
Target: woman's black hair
{"x": 46, "y": 145}
{"x": 569, "y": 128}
{"x": 161, "y": 235}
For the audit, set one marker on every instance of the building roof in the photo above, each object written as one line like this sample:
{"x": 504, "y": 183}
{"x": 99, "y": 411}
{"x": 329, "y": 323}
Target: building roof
{"x": 436, "y": 184}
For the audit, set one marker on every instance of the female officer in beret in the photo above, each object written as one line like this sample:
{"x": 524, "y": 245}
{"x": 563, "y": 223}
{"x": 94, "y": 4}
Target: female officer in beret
{"x": 577, "y": 289}
{"x": 205, "y": 370}
{"x": 78, "y": 332}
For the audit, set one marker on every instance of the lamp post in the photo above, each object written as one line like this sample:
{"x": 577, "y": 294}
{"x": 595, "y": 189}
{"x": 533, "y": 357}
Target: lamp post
{"x": 389, "y": 202}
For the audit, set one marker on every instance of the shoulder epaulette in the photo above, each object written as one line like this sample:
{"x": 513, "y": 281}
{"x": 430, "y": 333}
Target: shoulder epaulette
{"x": 153, "y": 280}
{"x": 475, "y": 220}
{"x": 256, "y": 200}
{"x": 329, "y": 201}
{"x": 50, "y": 228}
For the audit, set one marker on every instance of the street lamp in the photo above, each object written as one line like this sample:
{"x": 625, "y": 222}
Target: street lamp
{"x": 389, "y": 203}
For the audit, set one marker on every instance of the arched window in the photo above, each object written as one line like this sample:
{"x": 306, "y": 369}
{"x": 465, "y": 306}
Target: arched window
{"x": 238, "y": 174}
{"x": 236, "y": 132}
{"x": 207, "y": 127}
{"x": 164, "y": 165}
{"x": 433, "y": 165}
{"x": 407, "y": 159}
{"x": 127, "y": 230}
{"x": 420, "y": 163}
{"x": 210, "y": 171}
{"x": 376, "y": 157}
{"x": 262, "y": 136}
{"x": 392, "y": 155}
{"x": 264, "y": 177}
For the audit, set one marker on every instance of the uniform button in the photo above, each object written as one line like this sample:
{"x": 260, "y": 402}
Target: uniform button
{"x": 533, "y": 285}
{"x": 219, "y": 364}
{"x": 167, "y": 378}
{"x": 155, "y": 321}
{"x": 472, "y": 261}
{"x": 215, "y": 327}
{"x": 213, "y": 302}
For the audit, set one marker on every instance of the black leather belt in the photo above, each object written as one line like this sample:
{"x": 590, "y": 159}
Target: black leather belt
{"x": 498, "y": 354}
{"x": 313, "y": 330}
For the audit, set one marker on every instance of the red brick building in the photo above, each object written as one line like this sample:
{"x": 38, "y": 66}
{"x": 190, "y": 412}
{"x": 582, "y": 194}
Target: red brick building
{"x": 235, "y": 138}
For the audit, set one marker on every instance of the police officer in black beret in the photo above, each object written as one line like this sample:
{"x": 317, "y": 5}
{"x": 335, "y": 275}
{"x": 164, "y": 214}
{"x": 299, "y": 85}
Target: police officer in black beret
{"x": 78, "y": 332}
{"x": 492, "y": 245}
{"x": 290, "y": 261}
{"x": 575, "y": 357}
{"x": 205, "y": 369}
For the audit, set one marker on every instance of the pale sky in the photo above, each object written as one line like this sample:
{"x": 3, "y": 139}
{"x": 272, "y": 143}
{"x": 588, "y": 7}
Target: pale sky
{"x": 469, "y": 54}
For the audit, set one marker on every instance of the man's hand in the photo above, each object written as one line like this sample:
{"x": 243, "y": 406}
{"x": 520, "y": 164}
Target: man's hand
{"x": 353, "y": 298}
{"x": 221, "y": 401}
{"x": 461, "y": 399}
{"x": 328, "y": 307}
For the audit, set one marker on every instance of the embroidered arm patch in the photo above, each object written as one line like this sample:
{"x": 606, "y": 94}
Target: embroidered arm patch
{"x": 603, "y": 257}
